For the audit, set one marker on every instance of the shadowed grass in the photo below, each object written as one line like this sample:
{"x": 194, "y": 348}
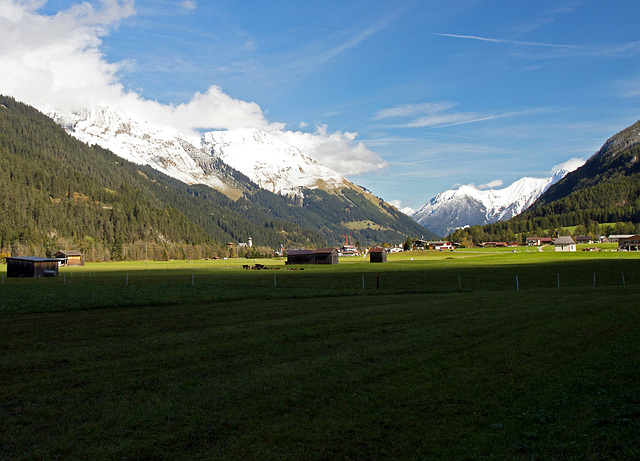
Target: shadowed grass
{"x": 490, "y": 373}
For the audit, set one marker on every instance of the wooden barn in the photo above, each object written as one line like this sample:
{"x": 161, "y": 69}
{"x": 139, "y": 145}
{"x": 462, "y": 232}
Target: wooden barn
{"x": 325, "y": 256}
{"x": 31, "y": 266}
{"x": 69, "y": 258}
{"x": 377, "y": 255}
{"x": 300, "y": 257}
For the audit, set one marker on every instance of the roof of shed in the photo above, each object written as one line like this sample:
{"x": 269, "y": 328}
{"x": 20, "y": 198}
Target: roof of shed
{"x": 564, "y": 240}
{"x": 31, "y": 258}
{"x": 324, "y": 251}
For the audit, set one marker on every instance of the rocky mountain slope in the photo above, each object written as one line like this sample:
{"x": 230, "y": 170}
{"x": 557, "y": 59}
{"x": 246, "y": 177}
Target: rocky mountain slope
{"x": 247, "y": 165}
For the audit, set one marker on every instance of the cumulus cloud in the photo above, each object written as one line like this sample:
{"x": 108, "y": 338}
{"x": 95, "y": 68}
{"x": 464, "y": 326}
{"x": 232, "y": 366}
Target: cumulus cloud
{"x": 338, "y": 150}
{"x": 56, "y": 62}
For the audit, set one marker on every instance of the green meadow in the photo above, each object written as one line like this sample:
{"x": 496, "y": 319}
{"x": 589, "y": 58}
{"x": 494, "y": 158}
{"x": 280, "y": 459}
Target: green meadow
{"x": 471, "y": 354}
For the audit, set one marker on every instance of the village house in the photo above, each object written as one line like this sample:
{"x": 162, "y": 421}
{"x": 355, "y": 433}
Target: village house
{"x": 630, "y": 243}
{"x": 584, "y": 239}
{"x": 616, "y": 238}
{"x": 539, "y": 241}
{"x": 565, "y": 243}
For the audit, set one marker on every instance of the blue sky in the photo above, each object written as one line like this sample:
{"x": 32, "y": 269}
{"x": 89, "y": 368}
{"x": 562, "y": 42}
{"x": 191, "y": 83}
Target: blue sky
{"x": 439, "y": 93}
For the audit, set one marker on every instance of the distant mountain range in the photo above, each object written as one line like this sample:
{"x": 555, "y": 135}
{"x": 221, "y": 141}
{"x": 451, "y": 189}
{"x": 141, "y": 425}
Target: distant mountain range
{"x": 470, "y": 206}
{"x": 600, "y": 197}
{"x": 266, "y": 160}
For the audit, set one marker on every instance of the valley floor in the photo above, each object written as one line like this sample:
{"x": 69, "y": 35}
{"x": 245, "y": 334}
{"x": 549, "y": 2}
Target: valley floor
{"x": 445, "y": 356}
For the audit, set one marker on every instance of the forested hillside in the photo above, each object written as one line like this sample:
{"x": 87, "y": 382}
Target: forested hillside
{"x": 606, "y": 189}
{"x": 58, "y": 192}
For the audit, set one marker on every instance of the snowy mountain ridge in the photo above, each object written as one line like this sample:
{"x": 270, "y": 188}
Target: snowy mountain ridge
{"x": 266, "y": 160}
{"x": 470, "y": 206}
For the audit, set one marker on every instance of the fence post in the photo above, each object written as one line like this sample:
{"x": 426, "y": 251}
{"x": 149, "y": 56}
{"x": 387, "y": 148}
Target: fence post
{"x": 594, "y": 279}
{"x": 363, "y": 281}
{"x": 274, "y": 280}
{"x": 623, "y": 284}
{"x": 459, "y": 282}
{"x": 517, "y": 284}
{"x": 558, "y": 280}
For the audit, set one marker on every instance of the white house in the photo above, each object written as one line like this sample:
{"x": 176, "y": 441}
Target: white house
{"x": 565, "y": 243}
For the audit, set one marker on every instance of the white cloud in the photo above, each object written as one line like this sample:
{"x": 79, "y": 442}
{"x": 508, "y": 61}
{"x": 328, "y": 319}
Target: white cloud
{"x": 569, "y": 165}
{"x": 57, "y": 63}
{"x": 490, "y": 185}
{"x": 410, "y": 110}
{"x": 338, "y": 150}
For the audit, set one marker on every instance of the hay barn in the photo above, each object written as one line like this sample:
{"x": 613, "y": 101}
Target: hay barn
{"x": 300, "y": 257}
{"x": 377, "y": 255}
{"x": 31, "y": 266}
{"x": 326, "y": 256}
{"x": 69, "y": 258}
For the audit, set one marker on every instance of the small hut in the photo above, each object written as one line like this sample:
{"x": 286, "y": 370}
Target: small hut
{"x": 31, "y": 266}
{"x": 326, "y": 256}
{"x": 377, "y": 255}
{"x": 69, "y": 258}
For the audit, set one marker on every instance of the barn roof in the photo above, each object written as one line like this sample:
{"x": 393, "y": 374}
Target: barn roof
{"x": 564, "y": 240}
{"x": 324, "y": 251}
{"x": 299, "y": 252}
{"x": 31, "y": 258}
{"x": 377, "y": 250}
{"x": 69, "y": 253}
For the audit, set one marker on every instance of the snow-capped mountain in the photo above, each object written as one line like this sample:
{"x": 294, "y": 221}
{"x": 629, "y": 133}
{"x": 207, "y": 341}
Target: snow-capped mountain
{"x": 469, "y": 206}
{"x": 269, "y": 162}
{"x": 266, "y": 160}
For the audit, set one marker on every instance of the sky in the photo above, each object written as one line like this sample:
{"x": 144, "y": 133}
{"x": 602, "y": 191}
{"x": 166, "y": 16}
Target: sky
{"x": 407, "y": 98}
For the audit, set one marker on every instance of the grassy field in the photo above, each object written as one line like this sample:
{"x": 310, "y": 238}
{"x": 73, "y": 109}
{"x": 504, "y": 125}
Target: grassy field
{"x": 434, "y": 355}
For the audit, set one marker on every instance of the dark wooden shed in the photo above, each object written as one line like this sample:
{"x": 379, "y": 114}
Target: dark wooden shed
{"x": 326, "y": 256}
{"x": 377, "y": 255}
{"x": 300, "y": 257}
{"x": 31, "y": 266}
{"x": 69, "y": 257}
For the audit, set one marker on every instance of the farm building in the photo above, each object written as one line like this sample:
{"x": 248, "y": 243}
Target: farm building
{"x": 630, "y": 243}
{"x": 565, "y": 243}
{"x": 325, "y": 256}
{"x": 31, "y": 266}
{"x": 317, "y": 256}
{"x": 69, "y": 258}
{"x": 377, "y": 255}
{"x": 617, "y": 238}
{"x": 300, "y": 257}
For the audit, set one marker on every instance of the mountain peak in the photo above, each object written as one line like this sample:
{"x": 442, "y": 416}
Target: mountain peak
{"x": 469, "y": 206}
